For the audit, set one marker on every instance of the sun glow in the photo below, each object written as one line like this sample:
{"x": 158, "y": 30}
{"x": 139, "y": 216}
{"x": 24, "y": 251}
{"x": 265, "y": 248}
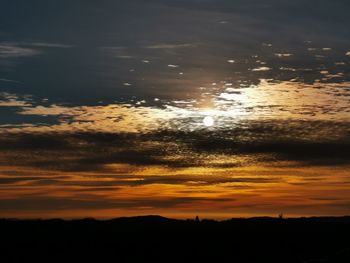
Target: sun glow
{"x": 208, "y": 121}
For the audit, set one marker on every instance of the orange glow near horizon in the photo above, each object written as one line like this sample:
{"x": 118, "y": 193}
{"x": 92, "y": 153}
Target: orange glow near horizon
{"x": 235, "y": 192}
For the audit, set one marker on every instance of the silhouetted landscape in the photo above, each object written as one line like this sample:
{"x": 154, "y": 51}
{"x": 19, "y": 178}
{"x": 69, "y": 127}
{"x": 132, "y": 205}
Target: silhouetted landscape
{"x": 159, "y": 239}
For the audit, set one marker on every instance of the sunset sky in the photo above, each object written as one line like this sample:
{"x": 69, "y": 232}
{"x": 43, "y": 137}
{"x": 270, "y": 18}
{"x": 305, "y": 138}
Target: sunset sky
{"x": 216, "y": 108}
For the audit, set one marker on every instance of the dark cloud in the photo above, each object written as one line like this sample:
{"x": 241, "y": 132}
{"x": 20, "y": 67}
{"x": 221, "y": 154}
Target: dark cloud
{"x": 120, "y": 181}
{"x": 263, "y": 143}
{"x": 51, "y": 204}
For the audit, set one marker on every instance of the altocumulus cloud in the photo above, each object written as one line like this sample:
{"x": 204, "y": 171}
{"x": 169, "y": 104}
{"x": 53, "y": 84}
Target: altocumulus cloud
{"x": 18, "y": 50}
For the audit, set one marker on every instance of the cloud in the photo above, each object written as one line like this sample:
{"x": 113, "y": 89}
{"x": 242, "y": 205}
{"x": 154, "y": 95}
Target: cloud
{"x": 10, "y": 80}
{"x": 283, "y": 55}
{"x": 12, "y": 100}
{"x": 234, "y": 106}
{"x": 254, "y": 191}
{"x": 14, "y": 103}
{"x": 14, "y": 51}
{"x": 168, "y": 46}
{"x": 262, "y": 69}
{"x": 18, "y": 50}
{"x": 268, "y": 122}
{"x": 56, "y": 203}
{"x": 250, "y": 143}
{"x": 49, "y": 45}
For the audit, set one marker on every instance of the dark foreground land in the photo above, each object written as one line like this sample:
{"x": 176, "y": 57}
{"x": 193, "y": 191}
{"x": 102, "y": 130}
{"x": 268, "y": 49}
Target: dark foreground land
{"x": 157, "y": 239}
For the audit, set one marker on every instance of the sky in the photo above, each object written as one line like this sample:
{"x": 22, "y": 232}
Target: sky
{"x": 216, "y": 108}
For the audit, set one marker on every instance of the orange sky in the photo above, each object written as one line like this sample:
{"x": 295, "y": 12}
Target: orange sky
{"x": 181, "y": 193}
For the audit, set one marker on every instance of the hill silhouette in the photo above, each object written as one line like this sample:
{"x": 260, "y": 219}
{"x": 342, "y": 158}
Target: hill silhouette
{"x": 159, "y": 239}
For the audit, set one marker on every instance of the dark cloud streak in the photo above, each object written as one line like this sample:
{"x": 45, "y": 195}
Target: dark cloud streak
{"x": 267, "y": 142}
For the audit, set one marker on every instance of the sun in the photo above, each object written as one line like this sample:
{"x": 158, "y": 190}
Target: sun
{"x": 208, "y": 121}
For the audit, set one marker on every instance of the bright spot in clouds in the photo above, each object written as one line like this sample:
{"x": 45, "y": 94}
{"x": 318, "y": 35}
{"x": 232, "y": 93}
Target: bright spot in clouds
{"x": 208, "y": 121}
{"x": 261, "y": 69}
